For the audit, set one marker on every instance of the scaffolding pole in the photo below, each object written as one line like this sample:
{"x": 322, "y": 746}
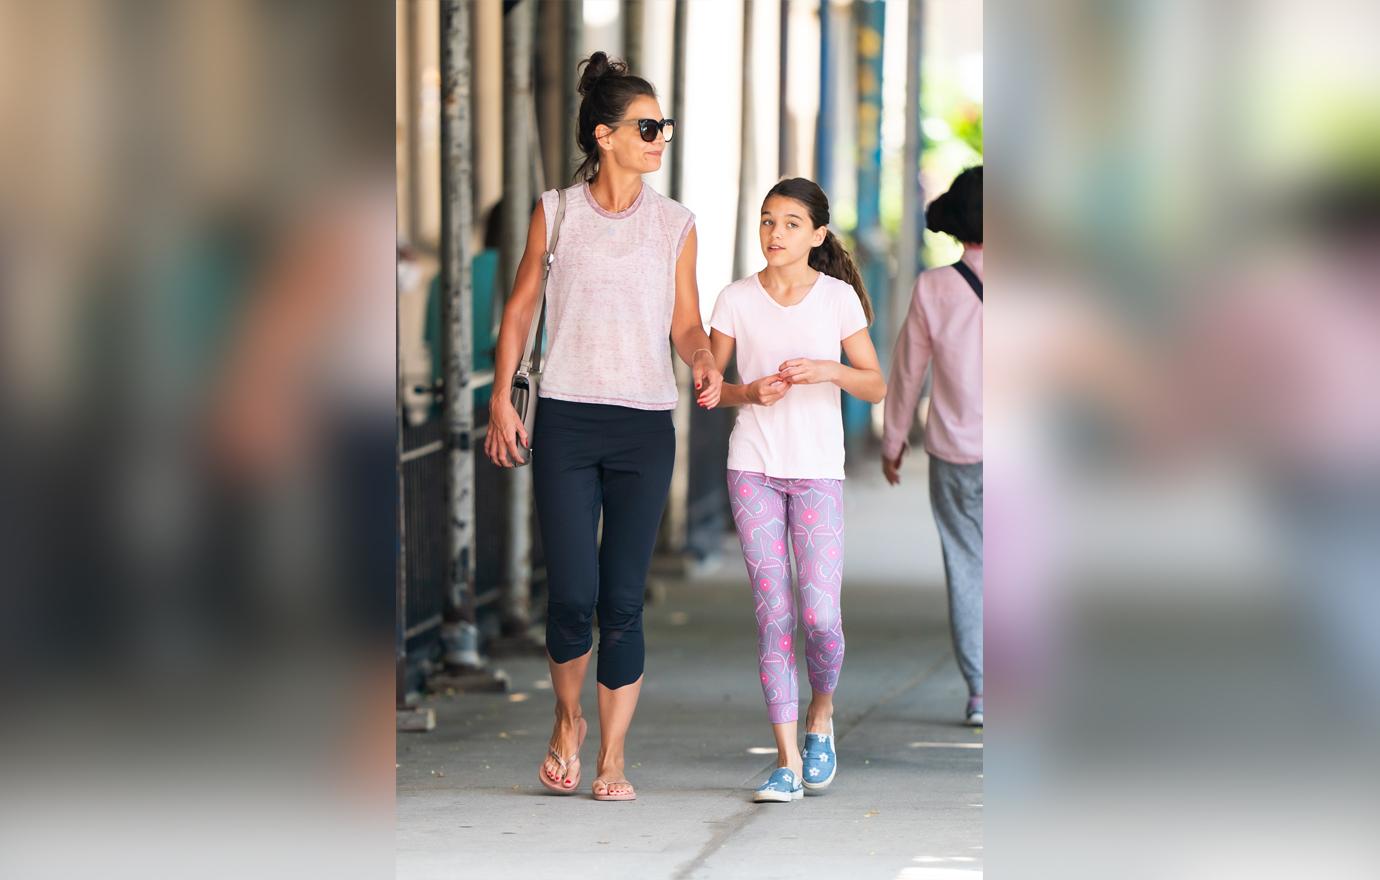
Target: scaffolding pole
{"x": 400, "y": 573}
{"x": 633, "y": 16}
{"x": 675, "y": 522}
{"x": 783, "y": 117}
{"x": 747, "y": 157}
{"x": 412, "y": 115}
{"x": 824, "y": 120}
{"x": 678, "y": 96}
{"x": 459, "y": 633}
{"x": 871, "y": 245}
{"x": 909, "y": 259}
{"x": 550, "y": 102}
{"x": 573, "y": 50}
{"x": 516, "y": 586}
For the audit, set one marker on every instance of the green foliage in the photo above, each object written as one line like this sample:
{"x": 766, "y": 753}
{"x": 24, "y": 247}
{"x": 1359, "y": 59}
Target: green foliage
{"x": 951, "y": 140}
{"x": 966, "y": 122}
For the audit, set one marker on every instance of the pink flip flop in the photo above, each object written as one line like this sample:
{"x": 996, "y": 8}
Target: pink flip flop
{"x": 564, "y": 764}
{"x": 629, "y": 795}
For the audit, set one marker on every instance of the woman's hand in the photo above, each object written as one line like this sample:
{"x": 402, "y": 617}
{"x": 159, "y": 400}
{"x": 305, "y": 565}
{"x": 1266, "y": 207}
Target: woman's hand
{"x": 767, "y": 390}
{"x": 803, "y": 371}
{"x": 709, "y": 382}
{"x": 505, "y": 430}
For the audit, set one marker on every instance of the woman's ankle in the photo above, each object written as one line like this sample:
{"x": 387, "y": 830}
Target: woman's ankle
{"x": 610, "y": 763}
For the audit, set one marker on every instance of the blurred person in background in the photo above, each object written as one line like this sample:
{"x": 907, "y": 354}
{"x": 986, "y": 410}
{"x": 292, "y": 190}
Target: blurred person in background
{"x": 307, "y": 385}
{"x": 621, "y": 282}
{"x": 944, "y": 325}
{"x": 207, "y": 209}
{"x": 1280, "y": 364}
{"x": 302, "y": 420}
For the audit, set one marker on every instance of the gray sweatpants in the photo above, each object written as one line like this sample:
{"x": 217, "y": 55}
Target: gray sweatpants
{"x": 956, "y": 497}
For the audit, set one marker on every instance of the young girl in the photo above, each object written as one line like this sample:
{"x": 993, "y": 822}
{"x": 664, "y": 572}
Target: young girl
{"x": 785, "y": 457}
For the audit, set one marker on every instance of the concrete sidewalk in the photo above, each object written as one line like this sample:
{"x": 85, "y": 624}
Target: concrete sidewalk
{"x": 907, "y": 802}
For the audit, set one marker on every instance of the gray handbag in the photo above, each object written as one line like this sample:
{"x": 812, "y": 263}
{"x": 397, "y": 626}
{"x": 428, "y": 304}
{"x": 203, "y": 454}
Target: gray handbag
{"x": 528, "y": 375}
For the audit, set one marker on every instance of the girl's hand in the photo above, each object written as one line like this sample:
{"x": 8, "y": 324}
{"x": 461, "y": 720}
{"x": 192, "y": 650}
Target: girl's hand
{"x": 767, "y": 390}
{"x": 505, "y": 430}
{"x": 891, "y": 468}
{"x": 803, "y": 371}
{"x": 709, "y": 382}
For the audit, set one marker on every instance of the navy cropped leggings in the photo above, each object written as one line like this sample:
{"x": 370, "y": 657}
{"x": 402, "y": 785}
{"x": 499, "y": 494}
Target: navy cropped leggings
{"x": 589, "y": 459}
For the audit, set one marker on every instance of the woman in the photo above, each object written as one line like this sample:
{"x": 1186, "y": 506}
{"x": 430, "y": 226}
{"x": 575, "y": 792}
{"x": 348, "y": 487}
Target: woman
{"x": 622, "y": 282}
{"x": 945, "y": 324}
{"x": 790, "y": 322}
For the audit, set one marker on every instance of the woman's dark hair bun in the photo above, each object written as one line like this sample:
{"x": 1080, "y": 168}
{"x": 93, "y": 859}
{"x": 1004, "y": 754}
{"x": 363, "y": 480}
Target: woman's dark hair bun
{"x": 606, "y": 88}
{"x": 959, "y": 211}
{"x": 596, "y": 67}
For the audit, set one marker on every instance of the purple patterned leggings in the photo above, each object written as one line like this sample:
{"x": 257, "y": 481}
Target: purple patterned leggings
{"x": 765, "y": 509}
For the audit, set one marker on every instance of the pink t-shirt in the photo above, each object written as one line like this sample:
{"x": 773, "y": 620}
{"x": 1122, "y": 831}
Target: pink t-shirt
{"x": 610, "y": 298}
{"x": 800, "y": 437}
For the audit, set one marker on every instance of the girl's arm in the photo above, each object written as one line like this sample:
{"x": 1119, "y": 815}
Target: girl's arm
{"x": 763, "y": 392}
{"x": 911, "y": 355}
{"x": 721, "y": 344}
{"x": 863, "y": 379}
{"x": 687, "y": 328}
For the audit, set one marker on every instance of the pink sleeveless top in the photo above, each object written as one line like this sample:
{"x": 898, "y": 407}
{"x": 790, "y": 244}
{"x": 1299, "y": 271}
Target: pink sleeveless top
{"x": 610, "y": 298}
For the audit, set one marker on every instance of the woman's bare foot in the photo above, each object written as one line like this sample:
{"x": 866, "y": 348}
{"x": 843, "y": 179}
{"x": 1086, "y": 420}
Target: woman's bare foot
{"x": 566, "y": 738}
{"x": 611, "y": 783}
{"x": 617, "y": 788}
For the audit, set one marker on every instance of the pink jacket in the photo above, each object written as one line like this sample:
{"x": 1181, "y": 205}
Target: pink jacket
{"x": 944, "y": 324}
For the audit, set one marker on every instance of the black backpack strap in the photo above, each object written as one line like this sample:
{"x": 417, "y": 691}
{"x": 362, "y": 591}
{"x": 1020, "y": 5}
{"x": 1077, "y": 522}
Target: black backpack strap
{"x": 971, "y": 277}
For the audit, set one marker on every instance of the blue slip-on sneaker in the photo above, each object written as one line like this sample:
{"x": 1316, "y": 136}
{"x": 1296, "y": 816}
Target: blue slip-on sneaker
{"x": 821, "y": 763}
{"x": 781, "y": 788}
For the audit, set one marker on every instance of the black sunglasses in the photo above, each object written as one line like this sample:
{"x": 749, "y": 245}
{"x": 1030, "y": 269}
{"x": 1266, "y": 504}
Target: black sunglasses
{"x": 648, "y": 128}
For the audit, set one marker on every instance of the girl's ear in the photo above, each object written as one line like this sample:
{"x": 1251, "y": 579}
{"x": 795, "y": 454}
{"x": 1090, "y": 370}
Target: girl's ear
{"x": 820, "y": 234}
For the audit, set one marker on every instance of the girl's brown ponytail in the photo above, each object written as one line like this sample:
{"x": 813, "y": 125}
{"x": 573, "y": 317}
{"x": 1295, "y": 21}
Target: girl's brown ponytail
{"x": 833, "y": 259}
